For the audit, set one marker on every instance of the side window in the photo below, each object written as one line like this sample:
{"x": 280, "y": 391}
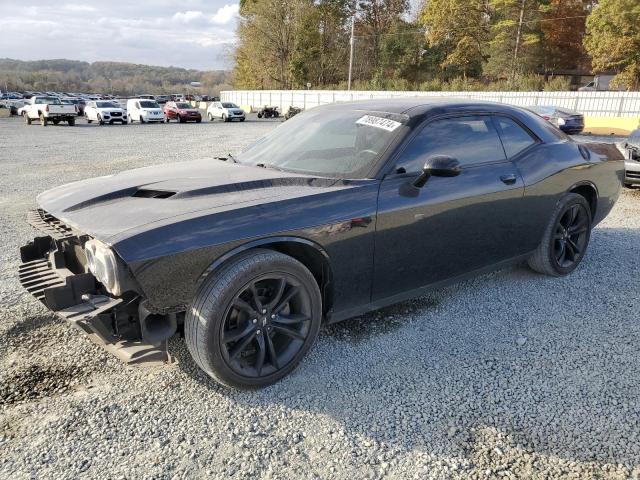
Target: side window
{"x": 514, "y": 138}
{"x": 137, "y": 104}
{"x": 471, "y": 140}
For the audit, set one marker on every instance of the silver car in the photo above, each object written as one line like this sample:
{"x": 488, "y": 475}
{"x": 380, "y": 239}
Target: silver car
{"x": 632, "y": 160}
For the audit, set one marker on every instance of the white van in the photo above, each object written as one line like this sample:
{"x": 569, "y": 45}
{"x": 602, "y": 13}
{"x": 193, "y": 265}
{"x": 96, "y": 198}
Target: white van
{"x": 143, "y": 110}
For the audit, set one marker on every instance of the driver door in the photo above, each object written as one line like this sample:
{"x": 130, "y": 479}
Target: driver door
{"x": 451, "y": 225}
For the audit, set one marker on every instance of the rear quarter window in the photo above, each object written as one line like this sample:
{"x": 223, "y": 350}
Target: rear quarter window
{"x": 515, "y": 139}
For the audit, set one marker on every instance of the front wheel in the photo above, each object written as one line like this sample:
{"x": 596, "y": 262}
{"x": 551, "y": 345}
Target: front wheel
{"x": 253, "y": 322}
{"x": 565, "y": 239}
{"x": 100, "y": 120}
{"x": 71, "y": 121}
{"x": 27, "y": 120}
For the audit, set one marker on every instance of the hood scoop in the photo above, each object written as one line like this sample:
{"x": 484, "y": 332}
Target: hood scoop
{"x": 148, "y": 193}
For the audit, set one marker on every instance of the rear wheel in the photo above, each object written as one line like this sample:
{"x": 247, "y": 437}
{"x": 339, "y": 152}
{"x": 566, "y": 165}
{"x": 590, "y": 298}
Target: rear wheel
{"x": 252, "y": 323}
{"x": 27, "y": 120}
{"x": 43, "y": 120}
{"x": 566, "y": 238}
{"x": 56, "y": 121}
{"x": 71, "y": 121}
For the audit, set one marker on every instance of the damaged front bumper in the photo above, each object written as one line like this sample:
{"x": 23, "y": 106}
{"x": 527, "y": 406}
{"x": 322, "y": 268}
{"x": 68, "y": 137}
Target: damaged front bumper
{"x": 53, "y": 272}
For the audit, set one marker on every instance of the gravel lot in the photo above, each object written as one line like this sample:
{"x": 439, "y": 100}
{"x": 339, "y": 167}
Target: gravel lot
{"x": 511, "y": 375}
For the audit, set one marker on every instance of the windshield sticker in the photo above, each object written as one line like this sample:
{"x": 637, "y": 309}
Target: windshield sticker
{"x": 379, "y": 122}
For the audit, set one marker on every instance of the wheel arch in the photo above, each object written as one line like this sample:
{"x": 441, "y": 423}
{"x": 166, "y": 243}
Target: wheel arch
{"x": 307, "y": 252}
{"x": 590, "y": 192}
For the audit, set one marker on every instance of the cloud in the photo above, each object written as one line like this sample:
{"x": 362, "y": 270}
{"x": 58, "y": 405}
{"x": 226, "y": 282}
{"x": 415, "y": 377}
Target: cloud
{"x": 188, "y": 17}
{"x": 187, "y": 33}
{"x": 226, "y": 14}
{"x": 74, "y": 7}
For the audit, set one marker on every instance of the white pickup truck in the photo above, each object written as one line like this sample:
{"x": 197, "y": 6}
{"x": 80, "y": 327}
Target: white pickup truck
{"x": 49, "y": 109}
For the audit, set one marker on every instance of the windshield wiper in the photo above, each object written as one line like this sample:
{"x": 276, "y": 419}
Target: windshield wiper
{"x": 228, "y": 158}
{"x": 268, "y": 165}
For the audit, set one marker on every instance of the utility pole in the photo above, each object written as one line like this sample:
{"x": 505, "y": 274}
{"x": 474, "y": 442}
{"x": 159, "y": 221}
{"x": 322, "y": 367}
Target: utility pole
{"x": 519, "y": 34}
{"x": 351, "y": 42}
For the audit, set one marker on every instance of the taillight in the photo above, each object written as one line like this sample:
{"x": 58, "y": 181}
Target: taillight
{"x": 546, "y": 117}
{"x": 46, "y": 108}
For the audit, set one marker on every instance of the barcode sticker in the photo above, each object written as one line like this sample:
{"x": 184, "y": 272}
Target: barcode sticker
{"x": 379, "y": 122}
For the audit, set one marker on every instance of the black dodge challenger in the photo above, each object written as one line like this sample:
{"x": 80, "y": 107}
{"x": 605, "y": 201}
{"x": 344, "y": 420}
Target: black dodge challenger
{"x": 344, "y": 209}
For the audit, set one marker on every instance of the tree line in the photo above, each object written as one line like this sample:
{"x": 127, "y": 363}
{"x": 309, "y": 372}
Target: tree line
{"x": 445, "y": 45}
{"x": 118, "y": 78}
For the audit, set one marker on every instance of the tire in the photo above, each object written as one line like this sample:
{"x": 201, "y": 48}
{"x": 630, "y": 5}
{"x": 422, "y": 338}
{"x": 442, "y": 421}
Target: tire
{"x": 259, "y": 115}
{"x": 242, "y": 119}
{"x": 129, "y": 119}
{"x": 224, "y": 118}
{"x": 180, "y": 119}
{"x": 213, "y": 312}
{"x": 27, "y": 120}
{"x": 43, "y": 120}
{"x": 89, "y": 121}
{"x": 71, "y": 121}
{"x": 142, "y": 120}
{"x": 558, "y": 240}
{"x": 166, "y": 119}
{"x": 56, "y": 121}
{"x": 100, "y": 121}
{"x": 199, "y": 120}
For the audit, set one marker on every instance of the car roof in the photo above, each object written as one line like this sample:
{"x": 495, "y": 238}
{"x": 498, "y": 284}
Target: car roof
{"x": 419, "y": 106}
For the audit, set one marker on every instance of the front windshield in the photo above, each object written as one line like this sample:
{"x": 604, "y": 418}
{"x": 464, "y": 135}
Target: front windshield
{"x": 148, "y": 104}
{"x": 331, "y": 143}
{"x": 229, "y": 105}
{"x": 183, "y": 105}
{"x": 107, "y": 105}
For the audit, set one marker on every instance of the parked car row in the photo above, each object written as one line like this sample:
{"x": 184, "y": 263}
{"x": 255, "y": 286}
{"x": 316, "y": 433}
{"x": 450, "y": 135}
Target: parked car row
{"x": 143, "y": 110}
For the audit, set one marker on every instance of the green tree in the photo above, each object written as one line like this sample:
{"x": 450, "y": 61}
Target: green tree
{"x": 460, "y": 29}
{"x": 516, "y": 46}
{"x": 613, "y": 40}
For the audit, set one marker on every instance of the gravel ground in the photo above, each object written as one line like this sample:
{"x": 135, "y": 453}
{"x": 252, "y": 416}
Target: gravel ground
{"x": 511, "y": 375}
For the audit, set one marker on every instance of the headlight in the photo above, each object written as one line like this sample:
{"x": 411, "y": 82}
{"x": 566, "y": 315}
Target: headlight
{"x": 101, "y": 261}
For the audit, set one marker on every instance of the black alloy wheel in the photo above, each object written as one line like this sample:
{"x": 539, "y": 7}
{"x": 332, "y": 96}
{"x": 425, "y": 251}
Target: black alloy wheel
{"x": 251, "y": 322}
{"x": 571, "y": 236}
{"x": 566, "y": 237}
{"x": 266, "y": 325}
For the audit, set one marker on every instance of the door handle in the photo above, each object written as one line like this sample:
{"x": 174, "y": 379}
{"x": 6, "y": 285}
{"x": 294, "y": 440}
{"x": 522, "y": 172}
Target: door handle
{"x": 508, "y": 179}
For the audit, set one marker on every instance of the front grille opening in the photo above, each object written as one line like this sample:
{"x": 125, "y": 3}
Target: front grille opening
{"x": 143, "y": 193}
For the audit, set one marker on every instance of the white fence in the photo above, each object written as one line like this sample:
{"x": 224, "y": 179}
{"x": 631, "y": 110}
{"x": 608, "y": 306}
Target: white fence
{"x": 596, "y": 104}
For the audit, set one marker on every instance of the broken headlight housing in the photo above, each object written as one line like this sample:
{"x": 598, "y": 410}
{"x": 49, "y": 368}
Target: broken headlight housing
{"x": 103, "y": 264}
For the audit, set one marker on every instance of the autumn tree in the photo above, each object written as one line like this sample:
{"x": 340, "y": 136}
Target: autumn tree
{"x": 461, "y": 29}
{"x": 613, "y": 40}
{"x": 375, "y": 20}
{"x": 563, "y": 27}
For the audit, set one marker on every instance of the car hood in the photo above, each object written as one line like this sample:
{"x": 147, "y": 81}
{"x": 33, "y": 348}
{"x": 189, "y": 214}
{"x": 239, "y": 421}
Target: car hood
{"x": 115, "y": 207}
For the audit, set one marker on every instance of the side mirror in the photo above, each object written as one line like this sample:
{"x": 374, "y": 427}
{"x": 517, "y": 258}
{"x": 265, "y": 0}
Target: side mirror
{"x": 438, "y": 166}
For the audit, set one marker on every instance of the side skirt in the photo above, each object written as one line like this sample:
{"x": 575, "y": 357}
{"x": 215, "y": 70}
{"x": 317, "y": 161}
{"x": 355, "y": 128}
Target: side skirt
{"x": 417, "y": 292}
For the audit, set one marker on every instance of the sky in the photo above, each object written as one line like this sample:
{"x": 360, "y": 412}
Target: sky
{"x": 186, "y": 33}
